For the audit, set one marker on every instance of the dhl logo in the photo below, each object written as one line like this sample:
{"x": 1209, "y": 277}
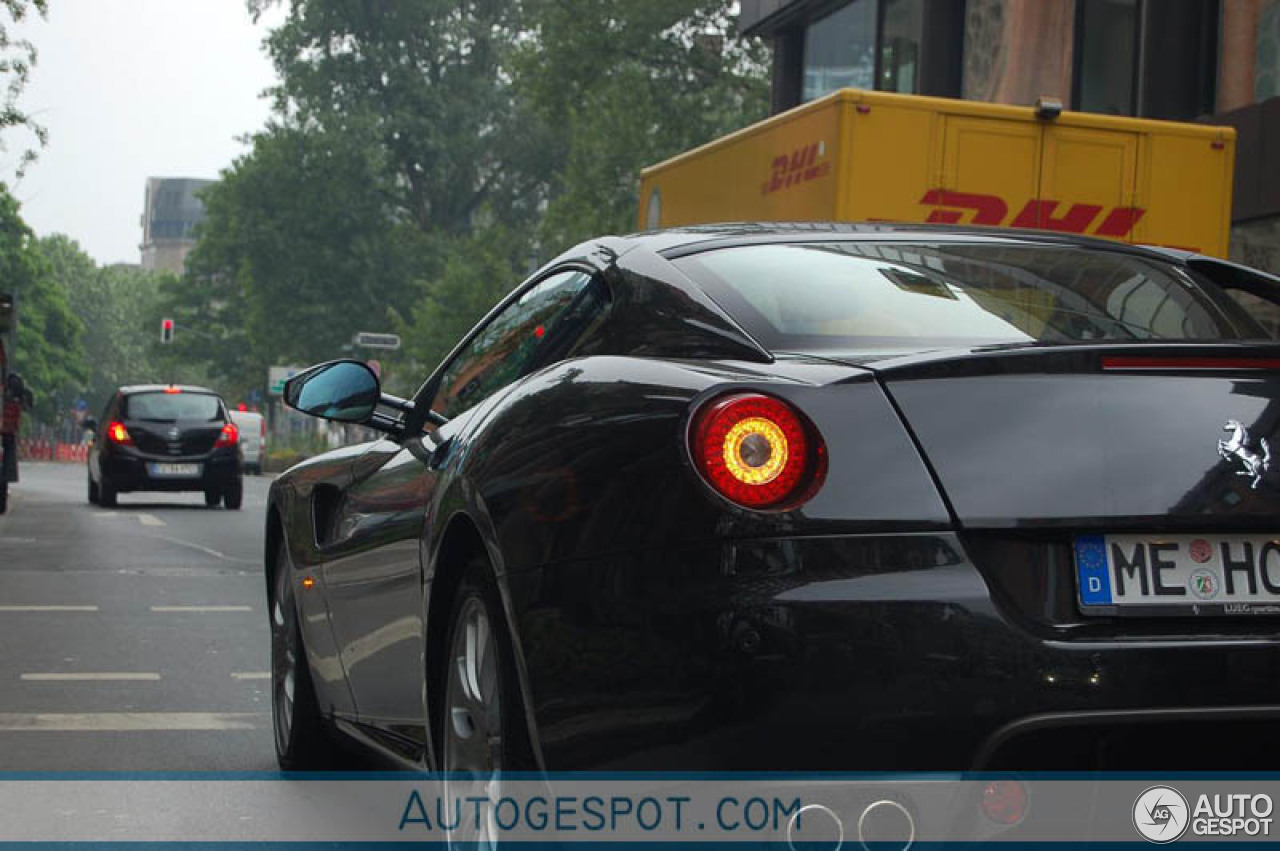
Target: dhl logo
{"x": 992, "y": 210}
{"x": 800, "y": 166}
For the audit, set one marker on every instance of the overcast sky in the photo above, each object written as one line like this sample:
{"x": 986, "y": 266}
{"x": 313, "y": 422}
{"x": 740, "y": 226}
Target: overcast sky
{"x": 131, "y": 89}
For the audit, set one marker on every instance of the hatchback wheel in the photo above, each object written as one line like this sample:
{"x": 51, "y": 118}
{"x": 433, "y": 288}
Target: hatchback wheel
{"x": 106, "y": 493}
{"x": 212, "y": 498}
{"x": 301, "y": 741}
{"x": 233, "y": 496}
{"x": 93, "y": 490}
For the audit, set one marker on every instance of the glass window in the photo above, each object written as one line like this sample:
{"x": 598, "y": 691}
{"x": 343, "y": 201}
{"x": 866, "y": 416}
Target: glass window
{"x": 541, "y": 327}
{"x": 1106, "y": 42}
{"x": 171, "y": 407}
{"x": 840, "y": 50}
{"x": 900, "y": 46}
{"x": 886, "y": 296}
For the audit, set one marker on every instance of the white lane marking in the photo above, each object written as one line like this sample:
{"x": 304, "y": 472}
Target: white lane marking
{"x": 48, "y": 608}
{"x": 102, "y": 514}
{"x": 150, "y": 520}
{"x": 126, "y": 722}
{"x": 111, "y": 676}
{"x": 202, "y": 608}
{"x": 250, "y": 675}
{"x": 205, "y": 550}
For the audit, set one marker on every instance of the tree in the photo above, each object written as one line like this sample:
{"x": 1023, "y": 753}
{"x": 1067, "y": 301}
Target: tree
{"x": 17, "y": 58}
{"x": 49, "y": 353}
{"x": 298, "y": 252}
{"x": 424, "y": 82}
{"x": 645, "y": 82}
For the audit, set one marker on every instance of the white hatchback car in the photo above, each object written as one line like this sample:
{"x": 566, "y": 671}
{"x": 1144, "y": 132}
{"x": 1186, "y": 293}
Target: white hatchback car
{"x": 253, "y": 438}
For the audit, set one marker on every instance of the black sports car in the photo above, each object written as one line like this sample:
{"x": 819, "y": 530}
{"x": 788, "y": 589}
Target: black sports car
{"x": 803, "y": 497}
{"x": 165, "y": 437}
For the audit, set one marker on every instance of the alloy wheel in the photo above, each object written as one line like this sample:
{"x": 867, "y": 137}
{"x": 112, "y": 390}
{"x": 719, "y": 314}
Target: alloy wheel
{"x": 473, "y": 746}
{"x": 284, "y": 659}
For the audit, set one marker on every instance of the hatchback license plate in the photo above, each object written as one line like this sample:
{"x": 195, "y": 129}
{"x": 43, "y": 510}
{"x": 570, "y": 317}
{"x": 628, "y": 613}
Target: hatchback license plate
{"x": 170, "y": 471}
{"x": 1179, "y": 574}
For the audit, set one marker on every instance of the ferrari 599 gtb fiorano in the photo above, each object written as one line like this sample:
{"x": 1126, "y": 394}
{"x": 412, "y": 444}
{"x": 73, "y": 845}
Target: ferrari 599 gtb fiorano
{"x": 803, "y": 497}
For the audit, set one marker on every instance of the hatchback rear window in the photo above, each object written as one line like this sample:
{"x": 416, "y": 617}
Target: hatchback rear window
{"x": 171, "y": 407}
{"x": 894, "y": 295}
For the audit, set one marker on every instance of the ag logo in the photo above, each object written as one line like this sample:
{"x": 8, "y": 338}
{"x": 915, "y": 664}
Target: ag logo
{"x": 1160, "y": 814}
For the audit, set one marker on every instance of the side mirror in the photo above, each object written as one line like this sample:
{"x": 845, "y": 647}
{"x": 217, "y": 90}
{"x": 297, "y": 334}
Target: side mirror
{"x": 343, "y": 390}
{"x": 89, "y": 424}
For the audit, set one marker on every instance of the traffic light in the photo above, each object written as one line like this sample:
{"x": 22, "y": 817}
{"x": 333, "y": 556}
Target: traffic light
{"x": 166, "y": 330}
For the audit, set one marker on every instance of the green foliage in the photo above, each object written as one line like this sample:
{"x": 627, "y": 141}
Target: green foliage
{"x": 49, "y": 353}
{"x": 645, "y": 82}
{"x": 296, "y": 255}
{"x": 426, "y": 154}
{"x": 17, "y": 58}
{"x": 118, "y": 307}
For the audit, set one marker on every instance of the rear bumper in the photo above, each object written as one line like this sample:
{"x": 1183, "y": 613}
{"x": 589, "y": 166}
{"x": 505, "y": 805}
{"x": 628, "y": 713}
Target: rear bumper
{"x": 129, "y": 471}
{"x": 857, "y": 653}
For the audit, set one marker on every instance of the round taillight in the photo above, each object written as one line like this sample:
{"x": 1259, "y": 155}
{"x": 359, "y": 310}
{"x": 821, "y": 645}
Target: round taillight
{"x": 756, "y": 450}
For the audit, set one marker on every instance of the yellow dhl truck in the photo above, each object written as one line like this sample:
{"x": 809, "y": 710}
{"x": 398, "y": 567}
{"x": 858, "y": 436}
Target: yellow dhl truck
{"x": 873, "y": 156}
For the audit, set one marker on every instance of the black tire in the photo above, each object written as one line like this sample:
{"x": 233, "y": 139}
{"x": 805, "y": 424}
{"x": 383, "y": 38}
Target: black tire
{"x": 4, "y": 496}
{"x": 94, "y": 498}
{"x": 302, "y": 743}
{"x": 510, "y": 750}
{"x": 212, "y": 498}
{"x": 233, "y": 496}
{"x": 106, "y": 493}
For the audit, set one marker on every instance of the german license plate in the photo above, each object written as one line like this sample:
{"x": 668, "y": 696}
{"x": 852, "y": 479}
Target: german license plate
{"x": 173, "y": 471}
{"x": 1179, "y": 574}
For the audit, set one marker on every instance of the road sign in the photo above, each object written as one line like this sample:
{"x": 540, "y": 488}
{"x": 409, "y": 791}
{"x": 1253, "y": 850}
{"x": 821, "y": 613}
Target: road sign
{"x": 370, "y": 340}
{"x": 278, "y": 375}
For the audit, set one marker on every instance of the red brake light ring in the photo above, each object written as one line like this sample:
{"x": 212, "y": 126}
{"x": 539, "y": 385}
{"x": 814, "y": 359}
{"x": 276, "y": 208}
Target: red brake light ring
{"x": 757, "y": 451}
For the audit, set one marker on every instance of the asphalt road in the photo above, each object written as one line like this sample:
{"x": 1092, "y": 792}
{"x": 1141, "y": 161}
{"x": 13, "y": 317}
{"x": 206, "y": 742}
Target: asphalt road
{"x": 133, "y": 638}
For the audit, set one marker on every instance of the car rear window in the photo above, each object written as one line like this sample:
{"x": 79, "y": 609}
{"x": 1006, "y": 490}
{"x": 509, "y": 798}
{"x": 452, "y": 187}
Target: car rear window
{"x": 839, "y": 295}
{"x": 171, "y": 407}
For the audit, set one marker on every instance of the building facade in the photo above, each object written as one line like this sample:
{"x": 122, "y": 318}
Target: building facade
{"x": 171, "y": 211}
{"x": 1214, "y": 61}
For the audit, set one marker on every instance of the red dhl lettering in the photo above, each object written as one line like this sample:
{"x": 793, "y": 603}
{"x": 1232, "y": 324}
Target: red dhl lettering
{"x": 800, "y": 166}
{"x": 954, "y": 207}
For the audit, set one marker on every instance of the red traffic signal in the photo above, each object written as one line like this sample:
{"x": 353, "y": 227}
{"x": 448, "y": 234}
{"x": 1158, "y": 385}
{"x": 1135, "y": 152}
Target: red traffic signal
{"x": 166, "y": 330}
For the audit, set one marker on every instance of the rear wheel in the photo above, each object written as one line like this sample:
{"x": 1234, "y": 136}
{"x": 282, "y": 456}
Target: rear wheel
{"x": 233, "y": 496}
{"x": 106, "y": 493}
{"x": 483, "y": 732}
{"x": 301, "y": 741}
{"x": 212, "y": 498}
{"x": 4, "y": 496}
{"x": 93, "y": 490}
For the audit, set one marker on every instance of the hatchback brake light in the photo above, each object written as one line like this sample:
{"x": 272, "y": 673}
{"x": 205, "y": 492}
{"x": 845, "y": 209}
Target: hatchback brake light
{"x": 117, "y": 433}
{"x": 757, "y": 451}
{"x": 230, "y": 436}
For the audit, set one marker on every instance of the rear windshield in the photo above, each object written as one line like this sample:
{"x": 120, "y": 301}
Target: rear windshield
{"x": 843, "y": 295}
{"x": 171, "y": 407}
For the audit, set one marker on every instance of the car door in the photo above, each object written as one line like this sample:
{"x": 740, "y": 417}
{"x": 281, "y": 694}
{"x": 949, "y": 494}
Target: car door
{"x": 373, "y": 576}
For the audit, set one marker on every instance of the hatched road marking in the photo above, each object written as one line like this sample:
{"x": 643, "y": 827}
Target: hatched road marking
{"x": 150, "y": 520}
{"x": 250, "y": 675}
{"x": 127, "y": 722}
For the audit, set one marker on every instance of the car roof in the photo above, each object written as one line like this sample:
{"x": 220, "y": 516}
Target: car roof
{"x": 678, "y": 241}
{"x": 131, "y": 389}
